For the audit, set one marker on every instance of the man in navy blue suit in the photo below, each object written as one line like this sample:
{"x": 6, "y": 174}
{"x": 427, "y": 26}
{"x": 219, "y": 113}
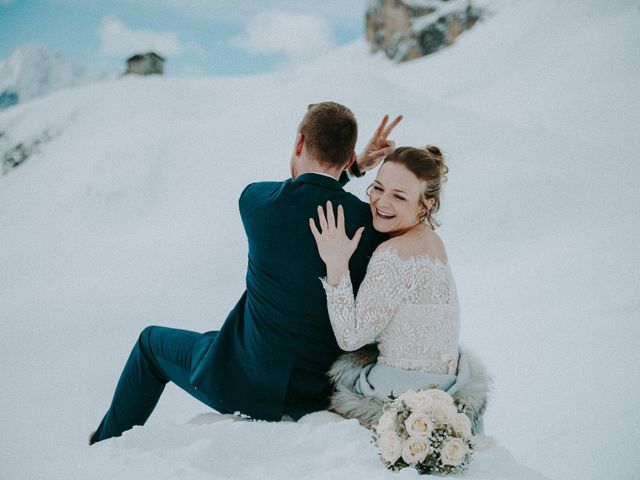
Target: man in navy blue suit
{"x": 272, "y": 353}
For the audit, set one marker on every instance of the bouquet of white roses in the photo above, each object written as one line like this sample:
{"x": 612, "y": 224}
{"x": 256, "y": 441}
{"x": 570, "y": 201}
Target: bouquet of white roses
{"x": 425, "y": 429}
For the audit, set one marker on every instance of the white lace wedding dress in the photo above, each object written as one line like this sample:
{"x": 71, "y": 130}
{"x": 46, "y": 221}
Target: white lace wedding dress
{"x": 409, "y": 306}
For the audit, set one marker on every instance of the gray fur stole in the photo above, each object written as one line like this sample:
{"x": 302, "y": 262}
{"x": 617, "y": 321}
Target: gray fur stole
{"x": 471, "y": 388}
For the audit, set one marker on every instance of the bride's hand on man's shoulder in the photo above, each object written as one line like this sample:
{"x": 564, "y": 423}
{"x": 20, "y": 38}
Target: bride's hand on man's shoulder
{"x": 334, "y": 246}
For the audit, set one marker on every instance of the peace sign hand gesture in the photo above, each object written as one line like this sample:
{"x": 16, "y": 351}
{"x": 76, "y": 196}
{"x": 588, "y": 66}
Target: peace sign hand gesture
{"x": 334, "y": 246}
{"x": 378, "y": 146}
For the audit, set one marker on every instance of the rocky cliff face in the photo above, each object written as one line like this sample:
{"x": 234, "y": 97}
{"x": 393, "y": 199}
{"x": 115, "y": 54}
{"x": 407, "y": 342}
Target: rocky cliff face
{"x": 407, "y": 29}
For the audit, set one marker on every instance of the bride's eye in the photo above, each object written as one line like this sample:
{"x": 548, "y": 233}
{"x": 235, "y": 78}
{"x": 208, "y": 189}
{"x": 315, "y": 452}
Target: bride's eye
{"x": 400, "y": 197}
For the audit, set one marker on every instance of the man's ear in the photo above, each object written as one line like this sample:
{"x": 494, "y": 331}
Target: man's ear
{"x": 352, "y": 159}
{"x": 299, "y": 144}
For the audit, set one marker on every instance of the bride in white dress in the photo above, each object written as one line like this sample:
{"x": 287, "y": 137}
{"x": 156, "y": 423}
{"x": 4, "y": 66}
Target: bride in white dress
{"x": 407, "y": 302}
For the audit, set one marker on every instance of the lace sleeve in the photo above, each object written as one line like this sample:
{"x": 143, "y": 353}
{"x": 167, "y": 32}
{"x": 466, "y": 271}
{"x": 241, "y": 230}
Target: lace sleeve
{"x": 357, "y": 322}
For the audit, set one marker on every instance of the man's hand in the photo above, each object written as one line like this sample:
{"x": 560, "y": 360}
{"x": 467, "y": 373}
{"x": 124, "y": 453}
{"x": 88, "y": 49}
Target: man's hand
{"x": 379, "y": 146}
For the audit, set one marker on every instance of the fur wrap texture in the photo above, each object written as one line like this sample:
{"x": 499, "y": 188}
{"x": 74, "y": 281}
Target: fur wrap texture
{"x": 471, "y": 388}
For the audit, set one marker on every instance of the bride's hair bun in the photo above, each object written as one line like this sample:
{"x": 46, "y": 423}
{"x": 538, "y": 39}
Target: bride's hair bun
{"x": 434, "y": 153}
{"x": 433, "y": 149}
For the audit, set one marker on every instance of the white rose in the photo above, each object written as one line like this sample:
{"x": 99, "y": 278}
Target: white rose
{"x": 418, "y": 425}
{"x": 420, "y": 402}
{"x": 415, "y": 450}
{"x": 453, "y": 452}
{"x": 439, "y": 395}
{"x": 387, "y": 421}
{"x": 462, "y": 425}
{"x": 443, "y": 412}
{"x": 408, "y": 396}
{"x": 390, "y": 446}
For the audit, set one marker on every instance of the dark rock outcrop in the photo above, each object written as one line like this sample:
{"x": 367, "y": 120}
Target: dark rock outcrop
{"x": 408, "y": 29}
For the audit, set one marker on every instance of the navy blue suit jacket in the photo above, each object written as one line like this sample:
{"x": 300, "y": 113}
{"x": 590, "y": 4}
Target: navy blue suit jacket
{"x": 273, "y": 351}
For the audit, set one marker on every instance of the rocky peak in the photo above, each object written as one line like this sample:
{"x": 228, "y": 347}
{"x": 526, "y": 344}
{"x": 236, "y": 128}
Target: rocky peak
{"x": 408, "y": 29}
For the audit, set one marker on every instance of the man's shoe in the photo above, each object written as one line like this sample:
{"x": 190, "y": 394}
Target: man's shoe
{"x": 91, "y": 440}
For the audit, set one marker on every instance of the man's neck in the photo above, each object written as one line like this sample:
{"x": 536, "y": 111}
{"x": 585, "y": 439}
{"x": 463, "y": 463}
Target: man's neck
{"x": 324, "y": 174}
{"x": 314, "y": 167}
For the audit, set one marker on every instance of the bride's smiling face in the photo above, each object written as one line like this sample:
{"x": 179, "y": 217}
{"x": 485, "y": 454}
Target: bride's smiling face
{"x": 395, "y": 198}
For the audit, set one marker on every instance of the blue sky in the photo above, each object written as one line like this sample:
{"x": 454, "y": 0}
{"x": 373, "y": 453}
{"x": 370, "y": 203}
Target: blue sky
{"x": 195, "y": 36}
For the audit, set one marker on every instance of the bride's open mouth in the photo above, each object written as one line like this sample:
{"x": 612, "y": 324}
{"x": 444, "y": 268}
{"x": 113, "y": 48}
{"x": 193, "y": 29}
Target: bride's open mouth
{"x": 384, "y": 215}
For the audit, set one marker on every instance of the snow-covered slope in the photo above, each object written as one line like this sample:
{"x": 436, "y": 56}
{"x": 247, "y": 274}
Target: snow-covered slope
{"x": 34, "y": 70}
{"x": 128, "y": 216}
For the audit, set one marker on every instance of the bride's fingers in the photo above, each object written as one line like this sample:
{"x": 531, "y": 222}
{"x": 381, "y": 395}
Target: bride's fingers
{"x": 356, "y": 237}
{"x": 331, "y": 220}
{"x": 340, "y": 218}
{"x": 322, "y": 219}
{"x": 314, "y": 230}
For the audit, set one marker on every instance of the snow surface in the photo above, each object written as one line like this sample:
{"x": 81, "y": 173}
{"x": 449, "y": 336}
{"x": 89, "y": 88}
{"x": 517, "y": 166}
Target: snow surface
{"x": 34, "y": 70}
{"x": 128, "y": 217}
{"x": 443, "y": 9}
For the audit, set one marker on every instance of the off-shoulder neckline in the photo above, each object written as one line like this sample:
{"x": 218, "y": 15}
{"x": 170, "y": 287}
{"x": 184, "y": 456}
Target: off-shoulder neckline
{"x": 421, "y": 258}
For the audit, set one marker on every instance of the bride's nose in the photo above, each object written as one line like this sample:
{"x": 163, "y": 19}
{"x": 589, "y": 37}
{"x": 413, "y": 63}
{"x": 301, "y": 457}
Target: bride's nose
{"x": 385, "y": 200}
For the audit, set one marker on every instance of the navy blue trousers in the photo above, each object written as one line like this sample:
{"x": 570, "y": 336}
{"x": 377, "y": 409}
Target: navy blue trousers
{"x": 159, "y": 356}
